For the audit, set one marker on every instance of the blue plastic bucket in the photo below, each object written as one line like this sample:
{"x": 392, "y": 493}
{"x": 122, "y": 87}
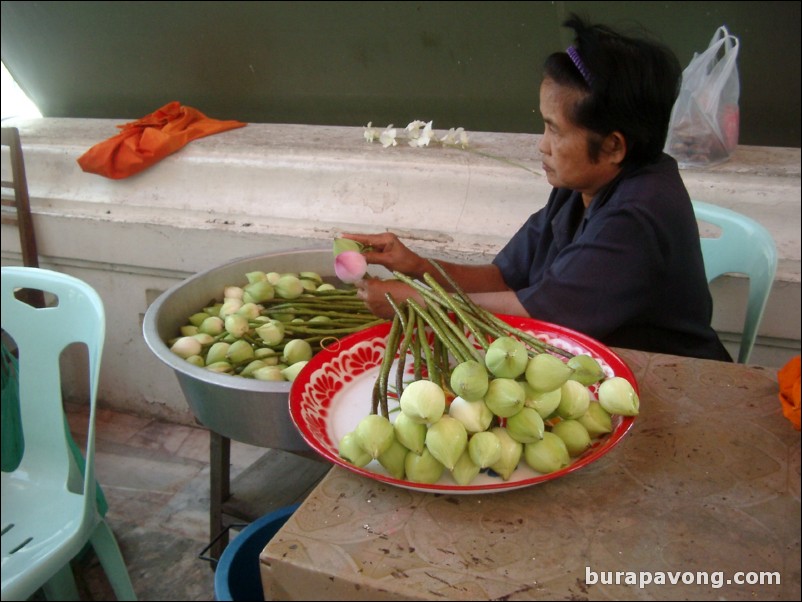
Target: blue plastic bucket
{"x": 237, "y": 576}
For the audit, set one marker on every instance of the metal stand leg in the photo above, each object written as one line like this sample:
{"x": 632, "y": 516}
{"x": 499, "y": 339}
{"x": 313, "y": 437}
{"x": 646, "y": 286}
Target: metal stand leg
{"x": 220, "y": 489}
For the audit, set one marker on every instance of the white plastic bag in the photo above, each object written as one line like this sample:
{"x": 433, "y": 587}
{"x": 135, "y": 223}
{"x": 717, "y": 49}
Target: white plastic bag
{"x": 705, "y": 119}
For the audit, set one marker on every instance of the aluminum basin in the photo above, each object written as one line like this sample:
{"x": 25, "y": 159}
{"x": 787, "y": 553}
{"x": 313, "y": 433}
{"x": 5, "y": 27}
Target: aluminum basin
{"x": 243, "y": 409}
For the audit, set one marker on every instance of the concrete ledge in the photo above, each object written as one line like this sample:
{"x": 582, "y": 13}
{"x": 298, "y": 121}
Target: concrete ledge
{"x": 272, "y": 187}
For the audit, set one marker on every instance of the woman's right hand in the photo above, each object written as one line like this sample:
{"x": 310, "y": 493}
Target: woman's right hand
{"x": 386, "y": 249}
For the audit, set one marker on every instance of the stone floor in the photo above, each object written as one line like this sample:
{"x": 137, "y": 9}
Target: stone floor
{"x": 155, "y": 476}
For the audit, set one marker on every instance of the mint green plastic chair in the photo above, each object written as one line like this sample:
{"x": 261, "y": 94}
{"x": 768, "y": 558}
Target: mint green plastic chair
{"x": 744, "y": 247}
{"x": 49, "y": 508}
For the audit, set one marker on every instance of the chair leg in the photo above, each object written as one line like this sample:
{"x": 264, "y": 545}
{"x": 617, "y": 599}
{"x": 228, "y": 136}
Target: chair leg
{"x": 111, "y": 559}
{"x": 61, "y": 586}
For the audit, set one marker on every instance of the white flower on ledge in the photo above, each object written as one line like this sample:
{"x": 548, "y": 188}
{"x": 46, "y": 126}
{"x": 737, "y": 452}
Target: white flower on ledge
{"x": 419, "y": 134}
{"x": 455, "y": 137}
{"x": 418, "y": 138}
{"x": 387, "y": 137}
{"x": 371, "y": 133}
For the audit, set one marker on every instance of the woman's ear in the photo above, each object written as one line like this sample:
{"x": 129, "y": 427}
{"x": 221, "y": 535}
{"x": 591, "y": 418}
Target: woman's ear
{"x": 615, "y": 147}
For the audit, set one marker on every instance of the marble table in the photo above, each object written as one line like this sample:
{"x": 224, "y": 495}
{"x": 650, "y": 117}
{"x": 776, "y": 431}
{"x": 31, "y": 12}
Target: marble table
{"x": 703, "y": 491}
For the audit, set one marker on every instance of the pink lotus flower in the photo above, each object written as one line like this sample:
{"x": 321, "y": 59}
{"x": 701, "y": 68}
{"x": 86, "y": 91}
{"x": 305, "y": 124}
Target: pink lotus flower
{"x": 350, "y": 266}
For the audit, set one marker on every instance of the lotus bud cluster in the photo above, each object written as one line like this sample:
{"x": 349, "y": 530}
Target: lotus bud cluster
{"x": 270, "y": 326}
{"x": 502, "y": 419}
{"x": 485, "y": 399}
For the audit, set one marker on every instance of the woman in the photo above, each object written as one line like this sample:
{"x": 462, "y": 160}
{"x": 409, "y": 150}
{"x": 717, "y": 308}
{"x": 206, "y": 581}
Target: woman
{"x": 615, "y": 253}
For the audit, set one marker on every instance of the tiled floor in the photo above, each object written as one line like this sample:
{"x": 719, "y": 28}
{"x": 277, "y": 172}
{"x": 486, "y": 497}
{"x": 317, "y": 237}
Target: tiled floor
{"x": 155, "y": 476}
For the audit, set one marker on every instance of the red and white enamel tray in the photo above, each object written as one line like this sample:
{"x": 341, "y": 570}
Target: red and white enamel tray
{"x": 333, "y": 393}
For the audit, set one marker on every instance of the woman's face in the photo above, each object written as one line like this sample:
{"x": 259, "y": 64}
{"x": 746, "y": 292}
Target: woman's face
{"x": 565, "y": 145}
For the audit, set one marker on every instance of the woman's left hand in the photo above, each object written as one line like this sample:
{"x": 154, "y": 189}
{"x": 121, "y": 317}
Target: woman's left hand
{"x": 373, "y": 290}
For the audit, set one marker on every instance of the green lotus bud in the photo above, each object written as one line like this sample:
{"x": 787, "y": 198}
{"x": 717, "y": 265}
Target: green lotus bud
{"x": 230, "y": 306}
{"x": 212, "y": 325}
{"x": 618, "y": 396}
{"x": 283, "y": 317}
{"x": 232, "y": 292}
{"x": 526, "y": 426}
{"x": 511, "y": 451}
{"x": 213, "y": 310}
{"x": 217, "y": 353}
{"x": 574, "y": 400}
{"x": 326, "y": 287}
{"x": 375, "y": 435}
{"x": 247, "y": 371}
{"x": 309, "y": 286}
{"x": 423, "y": 401}
{"x": 189, "y": 330}
{"x": 586, "y": 369}
{"x": 423, "y": 468}
{"x": 236, "y": 325}
{"x": 475, "y": 416}
{"x": 346, "y": 244}
{"x": 273, "y": 277}
{"x": 223, "y": 367}
{"x": 249, "y": 310}
{"x": 469, "y": 380}
{"x": 446, "y": 439}
{"x": 196, "y": 360}
{"x": 313, "y": 276}
{"x": 464, "y": 470}
{"x": 186, "y": 347}
{"x": 297, "y": 350}
{"x": 574, "y": 435}
{"x": 259, "y": 292}
{"x": 506, "y": 357}
{"x": 543, "y": 402}
{"x": 321, "y": 321}
{"x": 350, "y": 450}
{"x": 239, "y": 352}
{"x": 289, "y": 287}
{"x": 204, "y": 339}
{"x": 393, "y": 459}
{"x": 269, "y": 356}
{"x": 505, "y": 397}
{"x": 269, "y": 373}
{"x": 484, "y": 449}
{"x": 596, "y": 420}
{"x": 409, "y": 433}
{"x": 547, "y": 455}
{"x": 272, "y": 333}
{"x": 255, "y": 276}
{"x": 290, "y": 372}
{"x": 545, "y": 372}
{"x": 198, "y": 318}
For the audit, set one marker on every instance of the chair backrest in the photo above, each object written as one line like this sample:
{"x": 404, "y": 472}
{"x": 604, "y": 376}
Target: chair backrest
{"x": 16, "y": 205}
{"x": 41, "y": 335}
{"x": 743, "y": 247}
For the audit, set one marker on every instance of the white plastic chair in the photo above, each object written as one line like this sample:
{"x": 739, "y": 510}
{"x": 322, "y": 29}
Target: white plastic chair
{"x": 46, "y": 519}
{"x": 744, "y": 247}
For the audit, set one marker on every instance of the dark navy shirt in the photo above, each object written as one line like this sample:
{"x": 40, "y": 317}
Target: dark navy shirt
{"x": 628, "y": 271}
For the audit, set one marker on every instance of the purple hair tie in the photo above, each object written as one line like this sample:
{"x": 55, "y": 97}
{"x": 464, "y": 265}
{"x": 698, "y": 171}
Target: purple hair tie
{"x": 579, "y": 64}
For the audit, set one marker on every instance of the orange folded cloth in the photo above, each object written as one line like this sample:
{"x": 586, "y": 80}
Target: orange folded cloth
{"x": 146, "y": 141}
{"x": 788, "y": 377}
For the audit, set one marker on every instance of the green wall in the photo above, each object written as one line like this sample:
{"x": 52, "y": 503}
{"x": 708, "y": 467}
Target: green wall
{"x": 470, "y": 64}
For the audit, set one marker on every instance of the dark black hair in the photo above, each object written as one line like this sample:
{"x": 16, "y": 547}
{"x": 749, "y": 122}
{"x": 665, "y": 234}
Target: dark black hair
{"x": 630, "y": 85}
